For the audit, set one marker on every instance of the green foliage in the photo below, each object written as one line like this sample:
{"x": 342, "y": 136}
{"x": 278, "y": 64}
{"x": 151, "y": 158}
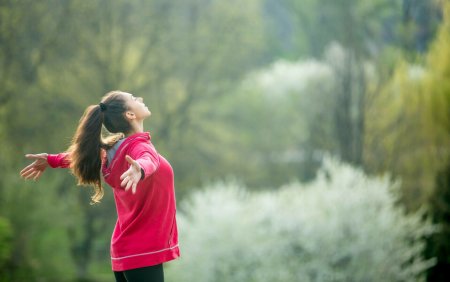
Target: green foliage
{"x": 409, "y": 133}
{"x": 6, "y": 236}
{"x": 343, "y": 226}
{"x": 407, "y": 123}
{"x": 40, "y": 231}
{"x": 398, "y": 136}
{"x": 362, "y": 26}
{"x": 438, "y": 87}
{"x": 436, "y": 81}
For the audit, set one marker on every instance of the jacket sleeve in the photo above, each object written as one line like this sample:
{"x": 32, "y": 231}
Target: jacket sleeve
{"x": 58, "y": 160}
{"x": 148, "y": 159}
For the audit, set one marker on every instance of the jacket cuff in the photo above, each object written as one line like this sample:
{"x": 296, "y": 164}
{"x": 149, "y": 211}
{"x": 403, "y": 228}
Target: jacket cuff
{"x": 57, "y": 160}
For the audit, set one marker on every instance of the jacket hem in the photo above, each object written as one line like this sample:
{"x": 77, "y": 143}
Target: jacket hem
{"x": 144, "y": 254}
{"x": 144, "y": 260}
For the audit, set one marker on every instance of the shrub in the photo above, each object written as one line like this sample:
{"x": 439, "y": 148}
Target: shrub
{"x": 343, "y": 226}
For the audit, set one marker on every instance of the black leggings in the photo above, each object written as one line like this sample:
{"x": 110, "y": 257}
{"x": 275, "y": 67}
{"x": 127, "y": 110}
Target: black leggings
{"x": 153, "y": 273}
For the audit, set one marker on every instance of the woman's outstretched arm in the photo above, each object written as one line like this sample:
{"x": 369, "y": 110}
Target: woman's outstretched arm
{"x": 41, "y": 162}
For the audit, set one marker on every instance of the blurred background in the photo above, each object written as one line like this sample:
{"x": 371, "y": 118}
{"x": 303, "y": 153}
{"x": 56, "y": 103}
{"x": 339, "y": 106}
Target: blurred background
{"x": 310, "y": 139}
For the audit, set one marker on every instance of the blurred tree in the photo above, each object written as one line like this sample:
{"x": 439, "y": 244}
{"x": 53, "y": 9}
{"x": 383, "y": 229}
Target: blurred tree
{"x": 364, "y": 29}
{"x": 437, "y": 87}
{"x": 25, "y": 45}
{"x": 359, "y": 27}
{"x": 409, "y": 136}
{"x": 405, "y": 121}
{"x": 420, "y": 20}
{"x": 212, "y": 44}
{"x": 399, "y": 139}
{"x": 305, "y": 28}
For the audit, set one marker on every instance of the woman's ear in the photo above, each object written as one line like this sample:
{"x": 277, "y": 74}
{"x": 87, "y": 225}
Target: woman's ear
{"x": 130, "y": 115}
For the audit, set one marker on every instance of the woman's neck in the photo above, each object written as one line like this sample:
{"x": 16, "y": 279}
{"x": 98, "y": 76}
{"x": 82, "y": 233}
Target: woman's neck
{"x": 136, "y": 127}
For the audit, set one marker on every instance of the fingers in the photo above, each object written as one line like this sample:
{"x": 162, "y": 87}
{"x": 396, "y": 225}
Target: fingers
{"x": 30, "y": 175}
{"x": 124, "y": 179}
{"x": 26, "y": 174}
{"x": 35, "y": 175}
{"x": 131, "y": 177}
{"x": 26, "y": 169}
{"x": 35, "y": 169}
{"x": 39, "y": 173}
{"x": 32, "y": 169}
{"x": 126, "y": 174}
{"x": 129, "y": 183}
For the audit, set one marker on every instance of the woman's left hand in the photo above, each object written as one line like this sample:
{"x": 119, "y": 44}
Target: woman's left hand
{"x": 131, "y": 177}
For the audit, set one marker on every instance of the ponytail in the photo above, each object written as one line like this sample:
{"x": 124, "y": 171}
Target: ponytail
{"x": 85, "y": 151}
{"x": 87, "y": 143}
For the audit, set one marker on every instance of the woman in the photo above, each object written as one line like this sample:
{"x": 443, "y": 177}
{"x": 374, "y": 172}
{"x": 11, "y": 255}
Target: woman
{"x": 145, "y": 235}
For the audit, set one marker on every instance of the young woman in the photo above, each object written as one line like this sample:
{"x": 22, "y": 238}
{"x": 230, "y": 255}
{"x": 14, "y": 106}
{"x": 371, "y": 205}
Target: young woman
{"x": 145, "y": 235}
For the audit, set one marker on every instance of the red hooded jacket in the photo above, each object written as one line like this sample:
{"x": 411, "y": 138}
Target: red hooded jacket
{"x": 146, "y": 230}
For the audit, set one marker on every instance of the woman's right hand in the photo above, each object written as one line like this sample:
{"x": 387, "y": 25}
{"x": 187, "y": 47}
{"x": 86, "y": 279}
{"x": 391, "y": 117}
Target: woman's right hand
{"x": 36, "y": 168}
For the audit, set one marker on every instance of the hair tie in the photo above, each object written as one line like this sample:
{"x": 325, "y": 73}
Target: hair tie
{"x": 102, "y": 107}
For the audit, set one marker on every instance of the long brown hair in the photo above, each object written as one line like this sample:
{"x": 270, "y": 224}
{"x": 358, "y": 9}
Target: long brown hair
{"x": 87, "y": 143}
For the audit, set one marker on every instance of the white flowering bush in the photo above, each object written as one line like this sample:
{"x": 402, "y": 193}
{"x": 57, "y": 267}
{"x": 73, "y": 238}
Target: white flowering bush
{"x": 303, "y": 77}
{"x": 344, "y": 226}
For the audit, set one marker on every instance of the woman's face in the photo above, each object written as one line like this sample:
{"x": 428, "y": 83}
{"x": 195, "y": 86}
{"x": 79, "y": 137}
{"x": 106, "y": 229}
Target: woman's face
{"x": 136, "y": 106}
